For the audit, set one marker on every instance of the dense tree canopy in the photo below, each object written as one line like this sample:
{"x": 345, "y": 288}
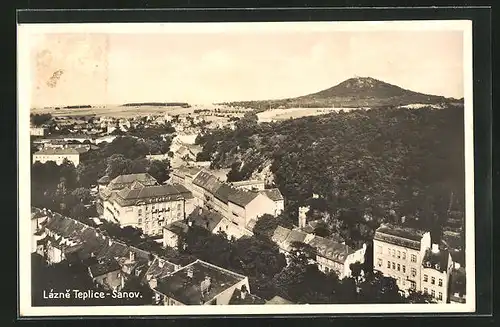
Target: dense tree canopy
{"x": 367, "y": 166}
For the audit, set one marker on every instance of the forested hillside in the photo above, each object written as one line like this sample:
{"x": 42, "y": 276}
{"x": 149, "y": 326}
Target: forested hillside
{"x": 367, "y": 167}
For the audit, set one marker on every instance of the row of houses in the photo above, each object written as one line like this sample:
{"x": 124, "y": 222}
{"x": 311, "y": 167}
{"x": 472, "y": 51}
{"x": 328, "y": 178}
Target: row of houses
{"x": 242, "y": 206}
{"x": 59, "y": 155}
{"x": 112, "y": 264}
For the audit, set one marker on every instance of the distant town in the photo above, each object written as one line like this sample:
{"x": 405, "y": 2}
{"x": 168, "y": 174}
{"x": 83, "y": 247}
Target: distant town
{"x": 173, "y": 204}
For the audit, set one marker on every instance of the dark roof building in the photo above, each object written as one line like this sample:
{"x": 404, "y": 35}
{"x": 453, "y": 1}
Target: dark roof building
{"x": 122, "y": 181}
{"x": 330, "y": 249}
{"x": 241, "y": 197}
{"x": 103, "y": 267}
{"x": 437, "y": 259}
{"x": 405, "y": 237}
{"x": 197, "y": 283}
{"x": 129, "y": 195}
{"x": 273, "y": 193}
{"x": 207, "y": 181}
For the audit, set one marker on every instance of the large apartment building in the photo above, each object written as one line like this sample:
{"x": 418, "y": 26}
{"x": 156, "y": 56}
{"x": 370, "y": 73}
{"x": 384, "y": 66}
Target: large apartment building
{"x": 58, "y": 155}
{"x": 409, "y": 256}
{"x": 137, "y": 200}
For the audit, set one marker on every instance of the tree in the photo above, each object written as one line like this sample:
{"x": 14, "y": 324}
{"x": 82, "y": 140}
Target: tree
{"x": 40, "y": 119}
{"x": 377, "y": 288}
{"x": 117, "y": 165}
{"x": 419, "y": 297}
{"x": 160, "y": 170}
{"x": 356, "y": 270}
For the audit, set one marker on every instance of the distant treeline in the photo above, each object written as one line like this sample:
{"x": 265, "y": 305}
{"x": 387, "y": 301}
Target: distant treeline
{"x": 158, "y": 104}
{"x": 78, "y": 107}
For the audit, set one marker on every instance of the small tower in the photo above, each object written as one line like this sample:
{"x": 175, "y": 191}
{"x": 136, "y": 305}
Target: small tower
{"x": 302, "y": 216}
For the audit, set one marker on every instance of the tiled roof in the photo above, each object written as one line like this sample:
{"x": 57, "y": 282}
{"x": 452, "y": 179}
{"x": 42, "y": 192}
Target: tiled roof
{"x": 128, "y": 196}
{"x": 273, "y": 193}
{"x": 280, "y": 234}
{"x": 330, "y": 249}
{"x": 103, "y": 267}
{"x": 103, "y": 180}
{"x": 57, "y": 151}
{"x": 247, "y": 183}
{"x": 294, "y": 236}
{"x": 207, "y": 181}
{"x": 188, "y": 290}
{"x": 223, "y": 192}
{"x": 437, "y": 261}
{"x": 242, "y": 198}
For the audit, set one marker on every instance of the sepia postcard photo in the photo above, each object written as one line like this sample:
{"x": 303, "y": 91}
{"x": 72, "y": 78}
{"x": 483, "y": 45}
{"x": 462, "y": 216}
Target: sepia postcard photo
{"x": 257, "y": 168}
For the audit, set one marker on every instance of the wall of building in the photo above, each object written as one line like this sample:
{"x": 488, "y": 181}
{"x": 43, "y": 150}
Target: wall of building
{"x": 435, "y": 283}
{"x": 57, "y": 158}
{"x": 170, "y": 238}
{"x": 407, "y": 260}
{"x": 259, "y": 206}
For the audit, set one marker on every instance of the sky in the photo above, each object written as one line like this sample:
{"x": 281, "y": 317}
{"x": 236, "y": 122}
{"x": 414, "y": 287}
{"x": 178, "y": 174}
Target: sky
{"x": 97, "y": 68}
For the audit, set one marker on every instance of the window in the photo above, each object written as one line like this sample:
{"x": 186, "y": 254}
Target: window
{"x": 393, "y": 252}
{"x": 399, "y": 254}
{"x": 440, "y": 283}
{"x": 388, "y": 251}
{"x": 426, "y": 278}
{"x": 413, "y": 258}
{"x": 413, "y": 285}
{"x": 433, "y": 293}
{"x": 139, "y": 221}
{"x": 404, "y": 268}
{"x": 413, "y": 272}
{"x": 426, "y": 291}
{"x": 388, "y": 264}
{"x": 140, "y": 212}
{"x": 379, "y": 262}
{"x": 433, "y": 280}
{"x": 440, "y": 296}
{"x": 178, "y": 206}
{"x": 393, "y": 265}
{"x": 404, "y": 255}
{"x": 399, "y": 267}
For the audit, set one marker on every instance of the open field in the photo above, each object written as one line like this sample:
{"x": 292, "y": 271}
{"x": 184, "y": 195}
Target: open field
{"x": 293, "y": 113}
{"x": 126, "y": 112}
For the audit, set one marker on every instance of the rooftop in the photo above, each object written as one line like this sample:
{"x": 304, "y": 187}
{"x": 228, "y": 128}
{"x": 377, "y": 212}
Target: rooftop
{"x": 130, "y": 194}
{"x": 126, "y": 180}
{"x": 241, "y": 197}
{"x": 330, "y": 249}
{"x": 177, "y": 227}
{"x": 405, "y": 237}
{"x": 223, "y": 192}
{"x": 103, "y": 267}
{"x": 248, "y": 183}
{"x": 273, "y": 193}
{"x": 158, "y": 269}
{"x": 207, "y": 181}
{"x": 437, "y": 261}
{"x": 247, "y": 298}
{"x": 186, "y": 284}
{"x": 280, "y": 234}
{"x": 208, "y": 219}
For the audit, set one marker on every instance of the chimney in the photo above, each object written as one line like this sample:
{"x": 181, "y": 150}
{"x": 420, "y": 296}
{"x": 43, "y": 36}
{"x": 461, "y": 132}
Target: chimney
{"x": 435, "y": 248}
{"x": 110, "y": 242}
{"x": 153, "y": 283}
{"x": 205, "y": 285}
{"x": 132, "y": 255}
{"x": 403, "y": 219}
{"x": 161, "y": 263}
{"x": 189, "y": 272}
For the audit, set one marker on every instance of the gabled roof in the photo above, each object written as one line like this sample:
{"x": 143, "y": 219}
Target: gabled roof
{"x": 208, "y": 220}
{"x": 405, "y": 237}
{"x": 158, "y": 269}
{"x": 241, "y": 197}
{"x": 273, "y": 193}
{"x": 177, "y": 227}
{"x": 294, "y": 236}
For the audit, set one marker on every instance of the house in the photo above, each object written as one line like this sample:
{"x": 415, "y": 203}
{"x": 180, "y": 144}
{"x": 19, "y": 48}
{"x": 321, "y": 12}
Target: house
{"x": 205, "y": 186}
{"x": 436, "y": 269}
{"x": 399, "y": 253}
{"x": 106, "y": 273}
{"x": 148, "y": 207}
{"x": 336, "y": 257}
{"x": 38, "y": 131}
{"x": 199, "y": 283}
{"x": 38, "y": 218}
{"x": 173, "y": 232}
{"x": 59, "y": 155}
{"x": 184, "y": 175}
{"x": 215, "y": 223}
{"x": 244, "y": 206}
{"x": 158, "y": 269}
{"x": 275, "y": 195}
